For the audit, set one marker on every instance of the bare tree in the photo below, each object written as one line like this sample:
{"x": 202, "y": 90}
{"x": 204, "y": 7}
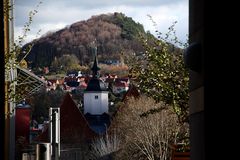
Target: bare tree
{"x": 105, "y": 146}
{"x": 147, "y": 136}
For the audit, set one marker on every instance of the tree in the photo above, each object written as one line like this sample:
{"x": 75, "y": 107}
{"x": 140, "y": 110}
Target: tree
{"x": 147, "y": 137}
{"x": 14, "y": 54}
{"x": 41, "y": 102}
{"x": 160, "y": 72}
{"x": 68, "y": 62}
{"x": 104, "y": 147}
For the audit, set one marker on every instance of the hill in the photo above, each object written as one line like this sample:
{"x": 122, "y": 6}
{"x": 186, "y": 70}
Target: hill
{"x": 116, "y": 36}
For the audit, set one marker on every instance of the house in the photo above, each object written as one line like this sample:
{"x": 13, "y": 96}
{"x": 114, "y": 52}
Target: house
{"x": 82, "y": 85}
{"x": 52, "y": 84}
{"x": 132, "y": 92}
{"x": 112, "y": 62}
{"x": 71, "y": 83}
{"x": 120, "y": 87}
{"x": 70, "y": 79}
{"x": 72, "y": 74}
{"x": 80, "y": 78}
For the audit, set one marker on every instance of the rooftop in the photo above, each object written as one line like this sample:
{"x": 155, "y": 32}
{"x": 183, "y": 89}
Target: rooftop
{"x": 95, "y": 84}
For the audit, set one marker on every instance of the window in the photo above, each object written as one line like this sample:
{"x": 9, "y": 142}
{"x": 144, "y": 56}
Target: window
{"x": 96, "y": 97}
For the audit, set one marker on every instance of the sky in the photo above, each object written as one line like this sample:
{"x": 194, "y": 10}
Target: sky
{"x": 53, "y": 15}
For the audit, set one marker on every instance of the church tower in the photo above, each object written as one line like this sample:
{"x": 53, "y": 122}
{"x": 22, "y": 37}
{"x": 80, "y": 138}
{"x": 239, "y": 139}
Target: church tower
{"x": 96, "y": 94}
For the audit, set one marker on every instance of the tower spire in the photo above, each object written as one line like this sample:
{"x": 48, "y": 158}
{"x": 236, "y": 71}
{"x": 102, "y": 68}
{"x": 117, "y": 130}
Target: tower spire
{"x": 95, "y": 67}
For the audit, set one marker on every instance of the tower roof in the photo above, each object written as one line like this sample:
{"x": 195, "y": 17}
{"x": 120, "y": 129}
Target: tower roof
{"x": 95, "y": 67}
{"x": 95, "y": 84}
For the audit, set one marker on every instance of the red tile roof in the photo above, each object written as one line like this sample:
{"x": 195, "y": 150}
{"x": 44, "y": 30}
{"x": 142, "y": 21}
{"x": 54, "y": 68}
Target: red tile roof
{"x": 61, "y": 81}
{"x": 132, "y": 92}
{"x": 74, "y": 128}
{"x": 83, "y": 85}
{"x": 52, "y": 81}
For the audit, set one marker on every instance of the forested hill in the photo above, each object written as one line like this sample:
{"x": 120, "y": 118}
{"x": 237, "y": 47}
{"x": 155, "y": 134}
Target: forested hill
{"x": 115, "y": 35}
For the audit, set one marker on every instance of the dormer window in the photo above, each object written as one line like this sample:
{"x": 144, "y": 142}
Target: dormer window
{"x": 96, "y": 97}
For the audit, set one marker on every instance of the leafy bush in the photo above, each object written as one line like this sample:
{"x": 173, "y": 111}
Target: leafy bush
{"x": 160, "y": 72}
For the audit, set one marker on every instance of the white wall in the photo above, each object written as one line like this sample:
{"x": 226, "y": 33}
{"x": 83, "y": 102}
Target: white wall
{"x": 95, "y": 106}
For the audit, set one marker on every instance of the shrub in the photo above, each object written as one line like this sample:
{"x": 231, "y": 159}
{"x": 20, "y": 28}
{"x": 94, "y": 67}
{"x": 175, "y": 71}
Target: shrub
{"x": 149, "y": 136}
{"x": 105, "y": 146}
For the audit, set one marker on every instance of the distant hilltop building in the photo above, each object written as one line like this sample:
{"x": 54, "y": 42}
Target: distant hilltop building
{"x": 111, "y": 62}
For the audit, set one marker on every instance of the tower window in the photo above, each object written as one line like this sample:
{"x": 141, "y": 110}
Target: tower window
{"x": 96, "y": 97}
